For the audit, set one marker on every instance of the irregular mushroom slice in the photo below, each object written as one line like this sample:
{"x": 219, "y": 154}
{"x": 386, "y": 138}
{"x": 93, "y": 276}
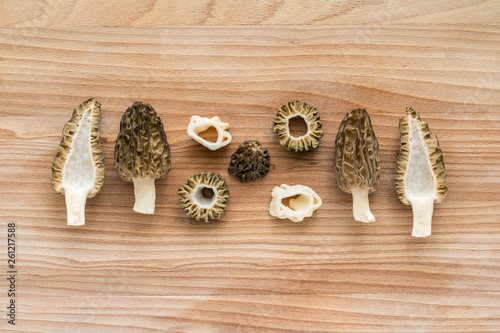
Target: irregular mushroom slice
{"x": 357, "y": 162}
{"x": 309, "y": 114}
{"x": 294, "y": 202}
{"x": 420, "y": 177}
{"x": 198, "y": 125}
{"x": 249, "y": 162}
{"x": 78, "y": 167}
{"x": 204, "y": 196}
{"x": 142, "y": 153}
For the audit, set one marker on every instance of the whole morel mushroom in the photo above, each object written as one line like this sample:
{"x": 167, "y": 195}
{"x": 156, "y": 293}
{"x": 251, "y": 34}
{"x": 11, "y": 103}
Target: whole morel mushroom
{"x": 78, "y": 167}
{"x": 357, "y": 161}
{"x": 420, "y": 178}
{"x": 142, "y": 153}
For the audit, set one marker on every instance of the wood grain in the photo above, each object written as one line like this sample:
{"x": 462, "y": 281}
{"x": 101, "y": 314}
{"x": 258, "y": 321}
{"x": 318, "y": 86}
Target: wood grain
{"x": 250, "y": 272}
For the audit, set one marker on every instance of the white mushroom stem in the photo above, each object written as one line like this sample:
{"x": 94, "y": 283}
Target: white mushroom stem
{"x": 75, "y": 206}
{"x": 145, "y": 195}
{"x": 422, "y": 216}
{"x": 361, "y": 205}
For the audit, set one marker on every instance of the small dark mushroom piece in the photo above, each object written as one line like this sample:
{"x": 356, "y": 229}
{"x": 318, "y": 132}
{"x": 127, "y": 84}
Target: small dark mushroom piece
{"x": 249, "y": 162}
{"x": 142, "y": 153}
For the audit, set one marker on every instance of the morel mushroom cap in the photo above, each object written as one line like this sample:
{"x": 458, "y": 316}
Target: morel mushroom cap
{"x": 420, "y": 173}
{"x": 78, "y": 167}
{"x": 204, "y": 196}
{"x": 309, "y": 113}
{"x": 250, "y": 161}
{"x": 357, "y": 162}
{"x": 301, "y": 202}
{"x": 142, "y": 153}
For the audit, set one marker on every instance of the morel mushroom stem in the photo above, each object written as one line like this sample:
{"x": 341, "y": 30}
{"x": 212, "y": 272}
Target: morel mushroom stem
{"x": 422, "y": 216}
{"x": 361, "y": 205}
{"x": 145, "y": 195}
{"x": 75, "y": 206}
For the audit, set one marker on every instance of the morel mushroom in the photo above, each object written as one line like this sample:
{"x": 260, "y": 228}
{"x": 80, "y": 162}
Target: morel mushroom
{"x": 294, "y": 202}
{"x": 291, "y": 110}
{"x": 249, "y": 162}
{"x": 420, "y": 177}
{"x": 142, "y": 153}
{"x": 204, "y": 196}
{"x": 78, "y": 167}
{"x": 357, "y": 161}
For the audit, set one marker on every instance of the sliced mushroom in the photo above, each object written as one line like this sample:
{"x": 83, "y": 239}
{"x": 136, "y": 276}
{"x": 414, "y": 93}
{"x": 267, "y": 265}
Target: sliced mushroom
{"x": 142, "y": 153}
{"x": 309, "y": 114}
{"x": 294, "y": 202}
{"x": 204, "y": 196}
{"x": 198, "y": 125}
{"x": 78, "y": 167}
{"x": 420, "y": 174}
{"x": 357, "y": 162}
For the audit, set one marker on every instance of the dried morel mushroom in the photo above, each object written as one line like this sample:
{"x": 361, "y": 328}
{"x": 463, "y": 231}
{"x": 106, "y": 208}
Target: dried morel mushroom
{"x": 294, "y": 202}
{"x": 420, "y": 178}
{"x": 142, "y": 153}
{"x": 357, "y": 161}
{"x": 78, "y": 167}
{"x": 204, "y": 196}
{"x": 249, "y": 162}
{"x": 306, "y": 142}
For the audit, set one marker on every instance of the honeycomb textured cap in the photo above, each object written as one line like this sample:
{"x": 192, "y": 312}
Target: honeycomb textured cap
{"x": 193, "y": 202}
{"x": 357, "y": 161}
{"x": 68, "y": 133}
{"x": 250, "y": 161}
{"x": 309, "y": 113}
{"x": 434, "y": 155}
{"x": 142, "y": 149}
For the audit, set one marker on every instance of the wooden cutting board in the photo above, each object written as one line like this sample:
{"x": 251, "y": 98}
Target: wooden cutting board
{"x": 250, "y": 272}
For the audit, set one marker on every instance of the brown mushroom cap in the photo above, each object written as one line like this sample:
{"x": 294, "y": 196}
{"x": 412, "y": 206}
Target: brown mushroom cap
{"x": 250, "y": 161}
{"x": 357, "y": 160}
{"x": 141, "y": 148}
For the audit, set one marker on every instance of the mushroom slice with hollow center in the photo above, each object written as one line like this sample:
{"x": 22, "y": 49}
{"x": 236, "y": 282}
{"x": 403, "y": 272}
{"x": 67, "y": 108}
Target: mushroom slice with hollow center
{"x": 357, "y": 162}
{"x": 204, "y": 196}
{"x": 198, "y": 125}
{"x": 297, "y": 111}
{"x": 293, "y": 202}
{"x": 142, "y": 153}
{"x": 420, "y": 174}
{"x": 78, "y": 167}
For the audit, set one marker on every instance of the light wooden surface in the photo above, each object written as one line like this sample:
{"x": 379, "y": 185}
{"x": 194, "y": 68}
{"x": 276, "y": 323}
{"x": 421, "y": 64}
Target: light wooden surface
{"x": 125, "y": 272}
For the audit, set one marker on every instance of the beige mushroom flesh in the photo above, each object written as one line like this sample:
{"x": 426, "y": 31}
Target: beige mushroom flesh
{"x": 420, "y": 174}
{"x": 78, "y": 167}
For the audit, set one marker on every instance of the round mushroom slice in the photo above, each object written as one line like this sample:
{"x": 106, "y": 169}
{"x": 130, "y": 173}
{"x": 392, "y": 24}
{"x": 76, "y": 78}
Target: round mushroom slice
{"x": 357, "y": 162}
{"x": 204, "y": 196}
{"x": 301, "y": 112}
{"x": 294, "y": 202}
{"x": 420, "y": 174}
{"x": 78, "y": 167}
{"x": 142, "y": 153}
